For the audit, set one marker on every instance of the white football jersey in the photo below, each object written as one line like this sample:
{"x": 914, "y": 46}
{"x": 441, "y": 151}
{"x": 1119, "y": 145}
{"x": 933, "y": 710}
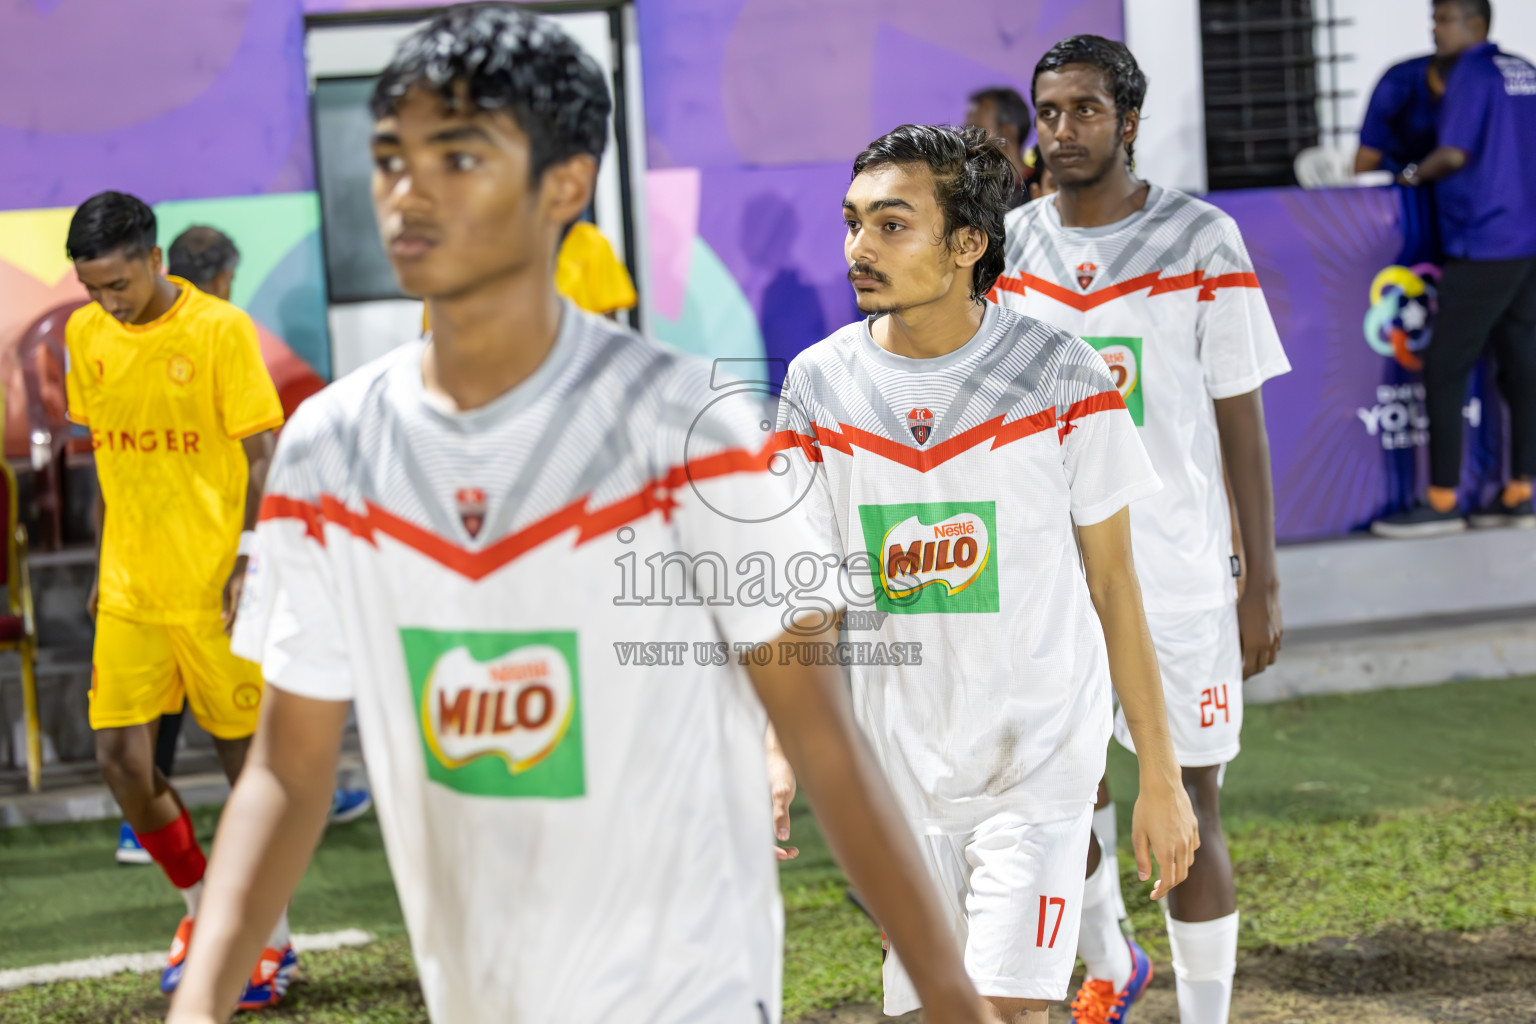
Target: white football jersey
{"x": 1169, "y": 298}
{"x": 952, "y": 486}
{"x": 527, "y": 604}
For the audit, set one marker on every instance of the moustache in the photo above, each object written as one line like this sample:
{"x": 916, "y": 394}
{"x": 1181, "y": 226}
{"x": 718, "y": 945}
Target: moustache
{"x": 415, "y": 231}
{"x": 865, "y": 270}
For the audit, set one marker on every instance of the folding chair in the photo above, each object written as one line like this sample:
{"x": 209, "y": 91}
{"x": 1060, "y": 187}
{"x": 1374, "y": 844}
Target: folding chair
{"x": 18, "y": 629}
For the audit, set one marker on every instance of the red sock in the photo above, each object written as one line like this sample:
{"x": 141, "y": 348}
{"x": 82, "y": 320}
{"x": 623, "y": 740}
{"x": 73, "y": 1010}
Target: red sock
{"x": 175, "y": 849}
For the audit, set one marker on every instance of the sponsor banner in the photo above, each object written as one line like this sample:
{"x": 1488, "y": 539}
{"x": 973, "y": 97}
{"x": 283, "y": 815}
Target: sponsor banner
{"x": 1354, "y": 299}
{"x": 500, "y": 713}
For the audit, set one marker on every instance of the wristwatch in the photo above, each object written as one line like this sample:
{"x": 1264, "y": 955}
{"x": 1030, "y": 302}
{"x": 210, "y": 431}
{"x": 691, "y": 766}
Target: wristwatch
{"x": 1410, "y": 175}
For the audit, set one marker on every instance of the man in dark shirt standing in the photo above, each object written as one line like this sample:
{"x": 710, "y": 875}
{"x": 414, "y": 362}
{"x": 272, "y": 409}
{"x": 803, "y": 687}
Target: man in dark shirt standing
{"x": 1486, "y": 198}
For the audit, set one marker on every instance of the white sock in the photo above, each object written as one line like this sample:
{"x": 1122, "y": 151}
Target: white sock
{"x": 1105, "y": 829}
{"x": 193, "y": 894}
{"x": 1204, "y": 959}
{"x": 1099, "y": 942}
{"x": 280, "y": 935}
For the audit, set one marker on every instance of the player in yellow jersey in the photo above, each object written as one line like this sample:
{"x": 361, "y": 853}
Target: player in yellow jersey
{"x": 171, "y": 383}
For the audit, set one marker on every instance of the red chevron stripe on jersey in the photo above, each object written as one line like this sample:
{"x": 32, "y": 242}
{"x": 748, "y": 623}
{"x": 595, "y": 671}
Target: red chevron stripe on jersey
{"x": 1101, "y": 402}
{"x": 848, "y": 437}
{"x": 476, "y": 565}
{"x": 1155, "y": 284}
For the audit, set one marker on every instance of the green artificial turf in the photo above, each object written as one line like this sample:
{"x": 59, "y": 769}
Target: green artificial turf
{"x": 1346, "y": 815}
{"x": 65, "y": 898}
{"x": 1355, "y": 755}
{"x": 375, "y": 984}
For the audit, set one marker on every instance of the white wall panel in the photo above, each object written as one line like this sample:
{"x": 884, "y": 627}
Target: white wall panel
{"x": 1165, "y": 37}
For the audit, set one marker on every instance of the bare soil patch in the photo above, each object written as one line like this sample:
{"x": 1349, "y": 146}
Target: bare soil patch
{"x": 1395, "y": 977}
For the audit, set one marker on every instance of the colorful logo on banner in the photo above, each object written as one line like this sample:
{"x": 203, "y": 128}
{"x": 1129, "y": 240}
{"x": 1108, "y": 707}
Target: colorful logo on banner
{"x": 1400, "y": 322}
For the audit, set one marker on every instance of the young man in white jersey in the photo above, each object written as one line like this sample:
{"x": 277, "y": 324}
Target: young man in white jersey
{"x": 1161, "y": 284}
{"x": 577, "y": 833}
{"x": 975, "y": 467}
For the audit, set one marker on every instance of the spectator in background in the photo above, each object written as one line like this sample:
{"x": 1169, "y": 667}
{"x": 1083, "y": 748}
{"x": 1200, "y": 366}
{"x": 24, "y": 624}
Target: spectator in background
{"x": 1003, "y": 114}
{"x": 1486, "y": 198}
{"x": 1399, "y": 129}
{"x": 206, "y": 257}
{"x": 1399, "y": 125}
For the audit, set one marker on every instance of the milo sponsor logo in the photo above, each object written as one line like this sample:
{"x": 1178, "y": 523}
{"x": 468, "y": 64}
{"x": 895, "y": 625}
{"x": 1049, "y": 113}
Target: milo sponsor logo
{"x": 1123, "y": 357}
{"x": 918, "y": 555}
{"x": 500, "y": 713}
{"x": 933, "y": 556}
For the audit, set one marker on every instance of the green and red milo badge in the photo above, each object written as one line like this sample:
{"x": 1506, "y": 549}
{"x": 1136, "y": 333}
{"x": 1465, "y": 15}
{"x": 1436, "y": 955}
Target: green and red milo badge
{"x": 1123, "y": 357}
{"x": 933, "y": 556}
{"x": 500, "y": 713}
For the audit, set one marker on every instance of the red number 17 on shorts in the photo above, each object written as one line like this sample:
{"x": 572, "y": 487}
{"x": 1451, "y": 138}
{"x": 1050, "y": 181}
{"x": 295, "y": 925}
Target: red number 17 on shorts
{"x": 1212, "y": 701}
{"x": 1046, "y": 903}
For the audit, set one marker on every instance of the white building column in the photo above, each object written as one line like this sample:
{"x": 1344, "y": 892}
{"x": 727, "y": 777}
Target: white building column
{"x": 1165, "y": 37}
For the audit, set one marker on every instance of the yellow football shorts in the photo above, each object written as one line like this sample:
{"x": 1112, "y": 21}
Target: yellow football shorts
{"x": 141, "y": 670}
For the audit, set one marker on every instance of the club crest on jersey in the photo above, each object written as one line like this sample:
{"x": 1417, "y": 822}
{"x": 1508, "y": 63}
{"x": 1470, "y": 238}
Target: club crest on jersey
{"x": 933, "y": 556}
{"x": 920, "y": 422}
{"x": 500, "y": 713}
{"x": 1085, "y": 275}
{"x": 471, "y": 502}
{"x": 179, "y": 368}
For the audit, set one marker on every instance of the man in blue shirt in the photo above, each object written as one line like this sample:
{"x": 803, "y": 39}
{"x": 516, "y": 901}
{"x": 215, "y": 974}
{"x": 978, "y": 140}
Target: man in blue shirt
{"x": 1486, "y": 198}
{"x": 1398, "y": 130}
{"x": 1399, "y": 125}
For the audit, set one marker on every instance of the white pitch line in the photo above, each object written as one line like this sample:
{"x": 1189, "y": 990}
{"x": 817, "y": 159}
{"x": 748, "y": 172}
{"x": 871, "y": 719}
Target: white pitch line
{"x": 142, "y": 963}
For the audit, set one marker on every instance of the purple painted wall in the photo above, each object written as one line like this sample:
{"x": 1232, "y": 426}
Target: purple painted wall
{"x": 770, "y": 100}
{"x": 167, "y": 99}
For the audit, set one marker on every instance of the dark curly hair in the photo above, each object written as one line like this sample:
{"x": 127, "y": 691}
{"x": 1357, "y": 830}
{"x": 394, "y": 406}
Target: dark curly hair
{"x": 972, "y": 180}
{"x": 110, "y": 222}
{"x": 507, "y": 60}
{"x": 1126, "y": 81}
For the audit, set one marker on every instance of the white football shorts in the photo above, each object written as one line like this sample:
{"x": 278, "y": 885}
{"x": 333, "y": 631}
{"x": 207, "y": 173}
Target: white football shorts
{"x": 1014, "y": 892}
{"x": 1200, "y": 656}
